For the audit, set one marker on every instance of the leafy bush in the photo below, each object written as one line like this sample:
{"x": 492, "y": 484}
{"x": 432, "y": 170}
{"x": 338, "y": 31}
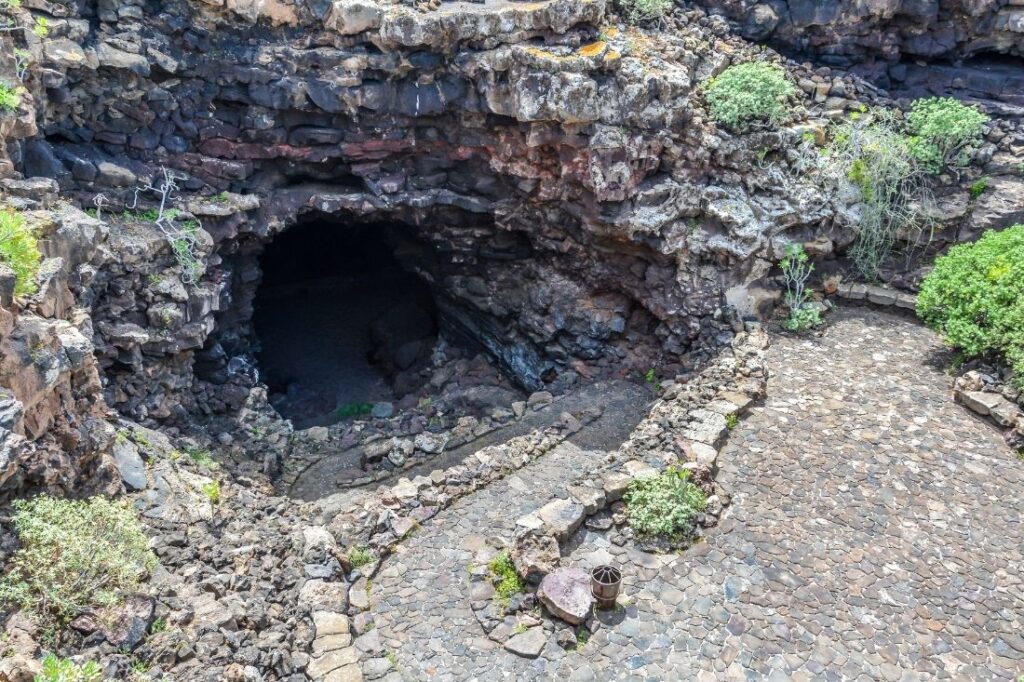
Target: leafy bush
{"x": 19, "y": 250}
{"x": 873, "y": 154}
{"x": 641, "y": 11}
{"x": 664, "y": 505}
{"x": 74, "y": 555}
{"x": 942, "y": 131}
{"x": 975, "y": 296}
{"x": 63, "y": 670}
{"x": 507, "y": 581}
{"x": 10, "y": 98}
{"x": 745, "y": 93}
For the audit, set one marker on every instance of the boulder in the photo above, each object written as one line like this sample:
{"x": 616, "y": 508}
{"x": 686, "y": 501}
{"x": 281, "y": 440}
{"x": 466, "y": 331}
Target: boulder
{"x": 565, "y": 592}
{"x": 129, "y": 464}
{"x": 534, "y": 555}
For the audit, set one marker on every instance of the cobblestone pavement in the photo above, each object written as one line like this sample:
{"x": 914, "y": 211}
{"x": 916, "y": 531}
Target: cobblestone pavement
{"x": 875, "y": 533}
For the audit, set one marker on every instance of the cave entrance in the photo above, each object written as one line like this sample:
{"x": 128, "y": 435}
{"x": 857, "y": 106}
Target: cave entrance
{"x": 341, "y": 324}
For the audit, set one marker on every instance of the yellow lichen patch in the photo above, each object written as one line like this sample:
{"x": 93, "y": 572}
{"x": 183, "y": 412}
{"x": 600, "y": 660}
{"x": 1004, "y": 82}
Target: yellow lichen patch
{"x": 593, "y": 49}
{"x": 610, "y": 32}
{"x": 612, "y": 56}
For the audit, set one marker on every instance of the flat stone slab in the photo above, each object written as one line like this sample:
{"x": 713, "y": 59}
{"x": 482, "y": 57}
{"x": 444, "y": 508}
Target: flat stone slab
{"x": 561, "y": 518}
{"x": 528, "y": 644}
{"x": 565, "y": 592}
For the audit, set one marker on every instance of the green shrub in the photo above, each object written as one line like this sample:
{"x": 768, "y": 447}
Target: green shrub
{"x": 664, "y": 505}
{"x": 10, "y": 98}
{"x": 507, "y": 581}
{"x": 943, "y": 131}
{"x": 74, "y": 555}
{"x": 63, "y": 670}
{"x": 873, "y": 154}
{"x": 750, "y": 92}
{"x": 19, "y": 250}
{"x": 974, "y": 297}
{"x": 642, "y": 11}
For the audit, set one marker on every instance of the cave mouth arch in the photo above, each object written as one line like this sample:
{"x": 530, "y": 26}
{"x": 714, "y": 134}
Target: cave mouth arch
{"x": 341, "y": 321}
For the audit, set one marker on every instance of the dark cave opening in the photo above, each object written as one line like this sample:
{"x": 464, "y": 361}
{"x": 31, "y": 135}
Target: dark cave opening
{"x": 341, "y": 323}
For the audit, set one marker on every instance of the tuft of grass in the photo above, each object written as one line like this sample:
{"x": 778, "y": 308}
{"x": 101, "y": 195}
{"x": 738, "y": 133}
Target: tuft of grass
{"x": 978, "y": 187}
{"x": 159, "y": 625}
{"x": 582, "y": 637}
{"x": 507, "y": 581}
{"x": 74, "y": 555}
{"x": 353, "y": 410}
{"x": 19, "y": 250}
{"x": 360, "y": 556}
{"x": 201, "y": 457}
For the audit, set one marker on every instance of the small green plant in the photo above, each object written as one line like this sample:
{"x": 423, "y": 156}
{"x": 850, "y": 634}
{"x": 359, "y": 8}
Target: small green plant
{"x": 159, "y": 625}
{"x": 353, "y": 410}
{"x": 664, "y": 505}
{"x": 74, "y": 555}
{"x": 943, "y": 132}
{"x": 41, "y": 27}
{"x": 520, "y": 628}
{"x": 507, "y": 581}
{"x": 974, "y": 297}
{"x": 582, "y": 637}
{"x": 222, "y": 198}
{"x": 360, "y": 556}
{"x": 978, "y": 187}
{"x": 212, "y": 491}
{"x": 201, "y": 457}
{"x": 749, "y": 93}
{"x": 642, "y": 11}
{"x": 10, "y": 4}
{"x": 392, "y": 659}
{"x": 19, "y": 250}
{"x": 732, "y": 421}
{"x": 64, "y": 670}
{"x": 796, "y": 269}
{"x": 10, "y": 98}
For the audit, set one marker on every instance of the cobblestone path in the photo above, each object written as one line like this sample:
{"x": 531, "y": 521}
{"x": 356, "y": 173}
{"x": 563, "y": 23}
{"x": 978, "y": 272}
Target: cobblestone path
{"x": 875, "y": 533}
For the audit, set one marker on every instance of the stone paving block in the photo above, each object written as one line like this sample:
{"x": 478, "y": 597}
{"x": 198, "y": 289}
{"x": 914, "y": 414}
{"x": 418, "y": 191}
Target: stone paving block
{"x": 561, "y": 518}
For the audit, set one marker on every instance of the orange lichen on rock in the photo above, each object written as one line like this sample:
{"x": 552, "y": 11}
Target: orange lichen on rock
{"x": 593, "y": 49}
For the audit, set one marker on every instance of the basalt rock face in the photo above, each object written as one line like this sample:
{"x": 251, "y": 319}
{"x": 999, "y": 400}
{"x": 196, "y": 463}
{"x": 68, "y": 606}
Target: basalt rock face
{"x": 561, "y": 193}
{"x": 845, "y": 33}
{"x": 551, "y": 175}
{"x": 54, "y": 430}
